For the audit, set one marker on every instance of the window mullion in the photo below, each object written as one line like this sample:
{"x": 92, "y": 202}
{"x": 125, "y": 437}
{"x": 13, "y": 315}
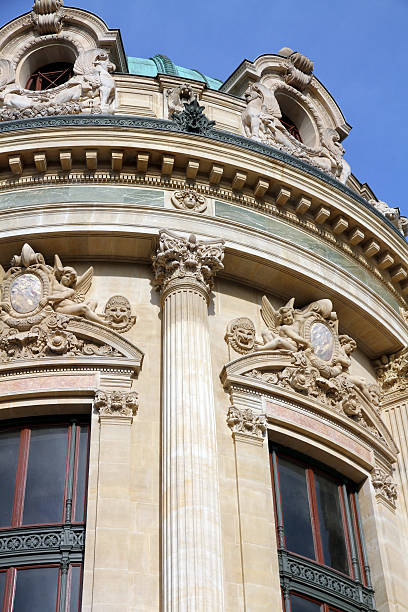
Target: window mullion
{"x": 278, "y": 501}
{"x": 19, "y": 492}
{"x": 9, "y": 589}
{"x": 361, "y": 537}
{"x": 314, "y": 515}
{"x": 349, "y": 532}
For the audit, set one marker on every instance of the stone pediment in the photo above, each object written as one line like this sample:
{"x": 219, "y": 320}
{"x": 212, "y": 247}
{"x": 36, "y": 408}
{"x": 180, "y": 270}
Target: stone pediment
{"x": 302, "y": 357}
{"x": 271, "y": 373}
{"x": 45, "y": 315}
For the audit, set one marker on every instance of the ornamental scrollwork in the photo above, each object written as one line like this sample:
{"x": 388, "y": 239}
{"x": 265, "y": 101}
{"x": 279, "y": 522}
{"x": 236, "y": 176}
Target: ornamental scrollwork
{"x": 116, "y": 403}
{"x": 40, "y": 303}
{"x": 91, "y": 90}
{"x": 246, "y": 421}
{"x": 392, "y": 371}
{"x": 188, "y": 259}
{"x": 261, "y": 120}
{"x": 189, "y": 199}
{"x": 47, "y": 16}
{"x": 384, "y": 485}
{"x": 308, "y": 356}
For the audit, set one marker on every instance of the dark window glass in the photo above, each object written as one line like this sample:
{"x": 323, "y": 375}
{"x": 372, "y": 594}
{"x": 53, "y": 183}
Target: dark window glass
{"x": 75, "y": 588}
{"x": 295, "y": 509}
{"x": 2, "y": 585}
{"x": 299, "y": 604}
{"x": 36, "y": 590}
{"x": 331, "y": 524}
{"x": 50, "y": 76}
{"x": 45, "y": 476}
{"x": 81, "y": 471}
{"x": 9, "y": 448}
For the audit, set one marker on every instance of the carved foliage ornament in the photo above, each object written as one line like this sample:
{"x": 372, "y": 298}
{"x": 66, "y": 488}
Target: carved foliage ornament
{"x": 187, "y": 258}
{"x": 384, "y": 485}
{"x": 392, "y": 371}
{"x": 39, "y": 301}
{"x": 192, "y": 119}
{"x": 90, "y": 90}
{"x": 246, "y": 421}
{"x": 188, "y": 199}
{"x": 116, "y": 403}
{"x": 314, "y": 358}
{"x": 47, "y": 16}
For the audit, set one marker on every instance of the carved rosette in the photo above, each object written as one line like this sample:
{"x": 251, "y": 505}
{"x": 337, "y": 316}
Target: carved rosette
{"x": 188, "y": 199}
{"x": 187, "y": 261}
{"x": 384, "y": 486}
{"x": 116, "y": 403}
{"x": 246, "y": 421}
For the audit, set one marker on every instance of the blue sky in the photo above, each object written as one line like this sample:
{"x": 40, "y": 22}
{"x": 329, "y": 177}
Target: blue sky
{"x": 359, "y": 47}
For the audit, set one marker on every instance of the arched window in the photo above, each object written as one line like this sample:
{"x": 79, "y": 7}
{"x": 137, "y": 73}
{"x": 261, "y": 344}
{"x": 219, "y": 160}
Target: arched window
{"x": 43, "y": 472}
{"x": 50, "y": 76}
{"x": 321, "y": 549}
{"x": 291, "y": 127}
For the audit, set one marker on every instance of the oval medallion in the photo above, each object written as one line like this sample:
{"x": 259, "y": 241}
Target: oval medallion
{"x": 322, "y": 341}
{"x": 25, "y": 293}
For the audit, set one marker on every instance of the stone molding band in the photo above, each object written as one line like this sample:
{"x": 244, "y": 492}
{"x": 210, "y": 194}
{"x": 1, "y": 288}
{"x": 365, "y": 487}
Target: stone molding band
{"x": 165, "y": 125}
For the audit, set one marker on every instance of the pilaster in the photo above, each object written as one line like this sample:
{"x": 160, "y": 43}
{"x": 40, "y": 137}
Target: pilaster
{"x": 260, "y": 568}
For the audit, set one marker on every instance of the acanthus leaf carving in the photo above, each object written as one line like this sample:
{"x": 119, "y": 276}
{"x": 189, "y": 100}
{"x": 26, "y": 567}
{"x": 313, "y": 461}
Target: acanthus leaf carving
{"x": 246, "y": 421}
{"x": 116, "y": 403}
{"x": 187, "y": 258}
{"x": 192, "y": 119}
{"x": 392, "y": 371}
{"x": 384, "y": 486}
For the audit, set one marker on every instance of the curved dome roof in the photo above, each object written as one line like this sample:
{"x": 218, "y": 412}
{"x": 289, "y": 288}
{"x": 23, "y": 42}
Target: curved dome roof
{"x": 161, "y": 64}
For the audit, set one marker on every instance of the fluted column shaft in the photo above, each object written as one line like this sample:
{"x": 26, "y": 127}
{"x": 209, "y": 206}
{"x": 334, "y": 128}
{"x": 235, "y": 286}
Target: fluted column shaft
{"x": 191, "y": 536}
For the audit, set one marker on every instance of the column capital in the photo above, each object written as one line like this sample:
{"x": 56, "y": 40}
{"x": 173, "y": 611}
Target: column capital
{"x": 247, "y": 425}
{"x": 183, "y": 261}
{"x": 116, "y": 404}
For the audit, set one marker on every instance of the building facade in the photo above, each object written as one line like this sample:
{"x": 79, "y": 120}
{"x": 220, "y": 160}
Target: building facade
{"x": 203, "y": 337}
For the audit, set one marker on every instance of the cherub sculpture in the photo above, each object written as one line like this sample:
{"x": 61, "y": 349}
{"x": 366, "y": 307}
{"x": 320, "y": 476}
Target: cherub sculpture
{"x": 283, "y": 328}
{"x": 68, "y": 292}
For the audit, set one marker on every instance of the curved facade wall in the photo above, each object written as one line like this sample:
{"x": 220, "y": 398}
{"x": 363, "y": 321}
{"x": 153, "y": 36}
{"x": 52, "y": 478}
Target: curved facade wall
{"x": 215, "y": 306}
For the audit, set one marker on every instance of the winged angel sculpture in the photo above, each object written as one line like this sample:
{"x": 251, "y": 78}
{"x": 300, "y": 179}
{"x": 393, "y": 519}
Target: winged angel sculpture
{"x": 68, "y": 291}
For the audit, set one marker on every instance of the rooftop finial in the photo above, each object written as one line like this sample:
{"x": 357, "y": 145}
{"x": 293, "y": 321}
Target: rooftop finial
{"x": 47, "y": 16}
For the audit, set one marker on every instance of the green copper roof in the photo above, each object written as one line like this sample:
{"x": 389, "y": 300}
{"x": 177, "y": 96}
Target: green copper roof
{"x": 163, "y": 65}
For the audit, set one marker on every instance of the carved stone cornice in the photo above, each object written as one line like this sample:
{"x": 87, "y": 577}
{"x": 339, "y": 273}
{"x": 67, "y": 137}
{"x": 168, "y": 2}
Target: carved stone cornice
{"x": 116, "y": 403}
{"x": 384, "y": 486}
{"x": 246, "y": 424}
{"x": 187, "y": 262}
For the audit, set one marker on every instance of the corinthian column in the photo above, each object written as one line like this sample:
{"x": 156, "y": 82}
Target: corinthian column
{"x": 191, "y": 536}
